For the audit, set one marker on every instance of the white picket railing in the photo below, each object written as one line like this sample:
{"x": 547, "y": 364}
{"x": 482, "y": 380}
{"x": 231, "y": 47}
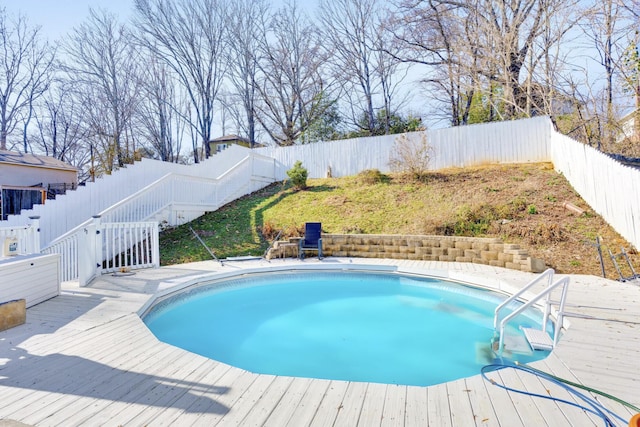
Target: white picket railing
{"x": 129, "y": 245}
{"x": 101, "y": 248}
{"x": 69, "y": 253}
{"x": 71, "y": 210}
{"x": 171, "y": 194}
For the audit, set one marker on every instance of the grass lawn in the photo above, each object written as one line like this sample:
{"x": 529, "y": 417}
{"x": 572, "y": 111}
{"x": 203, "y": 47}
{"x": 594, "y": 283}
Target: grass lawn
{"x": 522, "y": 204}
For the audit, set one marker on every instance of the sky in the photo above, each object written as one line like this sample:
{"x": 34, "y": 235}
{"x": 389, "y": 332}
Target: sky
{"x": 57, "y": 17}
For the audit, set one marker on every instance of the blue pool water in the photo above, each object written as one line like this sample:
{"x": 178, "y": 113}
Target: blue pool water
{"x": 384, "y": 328}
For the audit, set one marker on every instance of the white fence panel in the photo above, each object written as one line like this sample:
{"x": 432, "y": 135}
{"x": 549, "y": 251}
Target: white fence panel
{"x": 609, "y": 187}
{"x": 517, "y": 141}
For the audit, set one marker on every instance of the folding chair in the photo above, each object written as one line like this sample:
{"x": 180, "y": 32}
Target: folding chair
{"x": 312, "y": 240}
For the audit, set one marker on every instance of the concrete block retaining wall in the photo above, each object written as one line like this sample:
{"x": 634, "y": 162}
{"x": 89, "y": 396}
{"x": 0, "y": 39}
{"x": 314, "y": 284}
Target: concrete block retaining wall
{"x": 431, "y": 248}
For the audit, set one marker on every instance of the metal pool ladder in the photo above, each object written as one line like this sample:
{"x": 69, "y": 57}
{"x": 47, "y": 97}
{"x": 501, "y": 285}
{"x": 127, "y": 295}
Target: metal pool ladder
{"x": 538, "y": 339}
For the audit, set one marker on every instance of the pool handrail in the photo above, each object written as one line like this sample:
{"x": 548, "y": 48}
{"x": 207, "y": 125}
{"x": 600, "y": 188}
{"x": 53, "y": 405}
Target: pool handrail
{"x": 545, "y": 292}
{"x": 548, "y": 273}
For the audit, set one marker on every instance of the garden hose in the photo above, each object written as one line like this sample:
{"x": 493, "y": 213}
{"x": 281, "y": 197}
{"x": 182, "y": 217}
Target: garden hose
{"x": 584, "y": 387}
{"x": 592, "y": 406}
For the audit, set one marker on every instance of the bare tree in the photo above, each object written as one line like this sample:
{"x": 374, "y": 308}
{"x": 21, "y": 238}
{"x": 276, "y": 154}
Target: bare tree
{"x": 293, "y": 94}
{"x": 484, "y": 43}
{"x": 246, "y": 24}
{"x": 350, "y": 28}
{"x": 103, "y": 65}
{"x": 191, "y": 38}
{"x": 59, "y": 127}
{"x": 162, "y": 111}
{"x": 26, "y": 66}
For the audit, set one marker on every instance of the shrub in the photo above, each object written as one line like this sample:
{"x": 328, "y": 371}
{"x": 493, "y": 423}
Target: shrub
{"x": 532, "y": 210}
{"x": 372, "y": 176}
{"x": 298, "y": 175}
{"x": 411, "y": 156}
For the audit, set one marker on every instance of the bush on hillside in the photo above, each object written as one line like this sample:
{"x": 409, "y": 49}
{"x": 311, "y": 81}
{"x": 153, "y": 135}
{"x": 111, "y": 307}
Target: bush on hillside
{"x": 411, "y": 156}
{"x": 298, "y": 175}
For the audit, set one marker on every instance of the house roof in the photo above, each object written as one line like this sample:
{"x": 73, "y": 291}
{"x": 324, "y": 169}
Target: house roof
{"x": 25, "y": 159}
{"x": 230, "y": 138}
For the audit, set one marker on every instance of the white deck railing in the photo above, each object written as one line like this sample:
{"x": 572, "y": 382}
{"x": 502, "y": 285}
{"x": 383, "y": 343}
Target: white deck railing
{"x": 104, "y": 248}
{"x": 69, "y": 211}
{"x": 170, "y": 194}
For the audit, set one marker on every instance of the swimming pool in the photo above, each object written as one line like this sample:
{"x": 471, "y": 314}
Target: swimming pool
{"x": 355, "y": 326}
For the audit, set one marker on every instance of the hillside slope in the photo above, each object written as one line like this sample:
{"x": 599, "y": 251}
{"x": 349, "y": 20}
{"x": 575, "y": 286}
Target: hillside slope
{"x": 524, "y": 204}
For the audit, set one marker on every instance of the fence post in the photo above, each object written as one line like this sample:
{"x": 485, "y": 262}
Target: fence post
{"x": 89, "y": 249}
{"x": 155, "y": 239}
{"x": 35, "y": 241}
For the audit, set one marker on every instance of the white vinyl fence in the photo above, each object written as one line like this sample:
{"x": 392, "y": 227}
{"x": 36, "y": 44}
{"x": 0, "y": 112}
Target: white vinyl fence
{"x": 517, "y": 141}
{"x": 609, "y": 187}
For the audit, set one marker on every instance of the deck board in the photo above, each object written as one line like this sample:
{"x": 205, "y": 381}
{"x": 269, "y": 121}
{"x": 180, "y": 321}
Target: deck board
{"x": 416, "y": 413}
{"x": 373, "y": 405}
{"x": 349, "y": 414}
{"x": 459, "y": 403}
{"x": 330, "y": 405}
{"x": 438, "y": 406}
{"x": 308, "y": 405}
{"x": 483, "y": 409}
{"x": 285, "y": 408}
{"x": 394, "y": 406}
{"x": 86, "y": 358}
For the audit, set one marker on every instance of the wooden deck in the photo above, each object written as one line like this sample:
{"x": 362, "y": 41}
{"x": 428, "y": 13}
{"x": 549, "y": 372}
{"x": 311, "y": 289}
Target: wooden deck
{"x": 86, "y": 358}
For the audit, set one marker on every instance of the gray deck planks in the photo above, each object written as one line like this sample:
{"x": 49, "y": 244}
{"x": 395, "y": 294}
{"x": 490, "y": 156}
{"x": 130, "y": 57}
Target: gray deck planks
{"x": 309, "y": 403}
{"x": 257, "y": 412}
{"x": 152, "y": 393}
{"x": 438, "y": 406}
{"x": 235, "y": 382}
{"x": 459, "y": 404}
{"x": 206, "y": 386}
{"x": 56, "y": 371}
{"x": 373, "y": 405}
{"x": 394, "y": 406}
{"x": 117, "y": 386}
{"x": 99, "y": 326}
{"x": 330, "y": 405}
{"x": 483, "y": 409}
{"x": 525, "y": 406}
{"x": 349, "y": 414}
{"x": 286, "y": 406}
{"x": 416, "y": 413}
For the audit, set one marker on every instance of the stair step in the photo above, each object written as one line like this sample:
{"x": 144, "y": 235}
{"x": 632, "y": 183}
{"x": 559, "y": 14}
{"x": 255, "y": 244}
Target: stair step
{"x": 538, "y": 339}
{"x": 517, "y": 344}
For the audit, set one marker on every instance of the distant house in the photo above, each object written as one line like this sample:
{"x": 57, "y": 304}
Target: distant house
{"x": 628, "y": 127}
{"x": 224, "y": 142}
{"x": 28, "y": 179}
